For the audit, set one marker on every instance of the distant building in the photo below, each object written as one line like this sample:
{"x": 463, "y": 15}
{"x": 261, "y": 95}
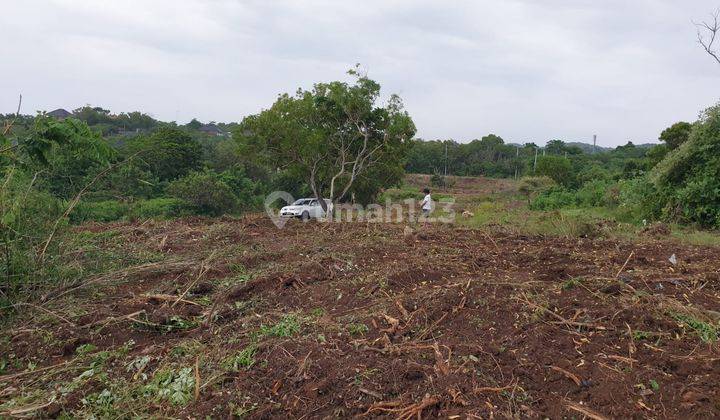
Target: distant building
{"x": 60, "y": 114}
{"x": 211, "y": 130}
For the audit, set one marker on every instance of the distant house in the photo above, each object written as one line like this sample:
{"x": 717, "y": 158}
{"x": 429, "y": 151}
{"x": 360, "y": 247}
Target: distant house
{"x": 60, "y": 114}
{"x": 211, "y": 130}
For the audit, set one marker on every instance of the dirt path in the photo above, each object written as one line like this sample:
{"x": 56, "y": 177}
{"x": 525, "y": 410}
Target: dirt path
{"x": 238, "y": 318}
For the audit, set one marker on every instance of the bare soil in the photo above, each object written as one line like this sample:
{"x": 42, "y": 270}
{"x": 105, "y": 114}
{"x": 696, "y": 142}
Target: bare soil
{"x": 452, "y": 323}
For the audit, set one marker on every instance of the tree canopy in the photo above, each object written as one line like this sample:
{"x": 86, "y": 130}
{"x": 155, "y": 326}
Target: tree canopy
{"x": 333, "y": 135}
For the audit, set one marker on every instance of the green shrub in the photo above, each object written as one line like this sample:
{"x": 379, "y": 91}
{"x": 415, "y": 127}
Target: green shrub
{"x": 99, "y": 211}
{"x": 593, "y": 194}
{"x": 27, "y": 218}
{"x": 400, "y": 194}
{"x": 531, "y": 186}
{"x": 250, "y": 195}
{"x": 205, "y": 192}
{"x": 685, "y": 185}
{"x": 158, "y": 208}
{"x": 552, "y": 199}
{"x": 556, "y": 167}
{"x": 640, "y": 200}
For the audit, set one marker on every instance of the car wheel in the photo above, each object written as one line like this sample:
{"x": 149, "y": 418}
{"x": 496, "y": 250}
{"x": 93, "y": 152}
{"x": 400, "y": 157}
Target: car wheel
{"x": 305, "y": 216}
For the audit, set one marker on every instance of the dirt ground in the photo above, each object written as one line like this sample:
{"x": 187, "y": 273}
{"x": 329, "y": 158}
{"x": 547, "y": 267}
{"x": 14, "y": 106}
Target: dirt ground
{"x": 335, "y": 320}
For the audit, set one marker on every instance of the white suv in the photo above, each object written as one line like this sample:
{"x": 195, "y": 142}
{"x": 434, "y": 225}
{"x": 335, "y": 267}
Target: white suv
{"x": 305, "y": 209}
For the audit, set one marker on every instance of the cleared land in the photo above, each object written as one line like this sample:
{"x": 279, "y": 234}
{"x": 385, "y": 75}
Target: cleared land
{"x": 226, "y": 317}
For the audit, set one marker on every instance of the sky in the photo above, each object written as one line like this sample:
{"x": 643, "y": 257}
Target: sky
{"x": 527, "y": 70}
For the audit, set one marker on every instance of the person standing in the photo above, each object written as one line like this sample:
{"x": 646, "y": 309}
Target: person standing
{"x": 427, "y": 205}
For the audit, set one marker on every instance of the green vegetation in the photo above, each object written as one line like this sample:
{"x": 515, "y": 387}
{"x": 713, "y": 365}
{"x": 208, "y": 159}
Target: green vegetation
{"x": 706, "y": 331}
{"x": 676, "y": 182}
{"x": 335, "y": 138}
{"x": 289, "y": 325}
{"x": 243, "y": 359}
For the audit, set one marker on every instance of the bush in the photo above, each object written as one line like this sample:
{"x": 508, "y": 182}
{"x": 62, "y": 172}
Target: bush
{"x": 99, "y": 211}
{"x": 27, "y": 219}
{"x": 531, "y": 186}
{"x": 400, "y": 194}
{"x": 158, "y": 208}
{"x": 205, "y": 192}
{"x": 249, "y": 194}
{"x": 556, "y": 167}
{"x": 640, "y": 200}
{"x": 685, "y": 185}
{"x": 555, "y": 198}
{"x": 168, "y": 154}
{"x": 593, "y": 194}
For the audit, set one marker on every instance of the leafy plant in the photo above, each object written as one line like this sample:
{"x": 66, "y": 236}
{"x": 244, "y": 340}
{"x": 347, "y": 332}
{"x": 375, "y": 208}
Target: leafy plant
{"x": 173, "y": 386}
{"x": 206, "y": 193}
{"x": 243, "y": 359}
{"x": 357, "y": 329}
{"x": 706, "y": 331}
{"x": 289, "y": 325}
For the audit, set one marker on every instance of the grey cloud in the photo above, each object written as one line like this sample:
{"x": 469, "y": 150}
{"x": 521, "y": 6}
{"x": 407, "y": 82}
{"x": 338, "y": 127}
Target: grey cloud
{"x": 526, "y": 70}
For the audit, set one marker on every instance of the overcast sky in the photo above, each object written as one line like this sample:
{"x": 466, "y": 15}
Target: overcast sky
{"x": 525, "y": 70}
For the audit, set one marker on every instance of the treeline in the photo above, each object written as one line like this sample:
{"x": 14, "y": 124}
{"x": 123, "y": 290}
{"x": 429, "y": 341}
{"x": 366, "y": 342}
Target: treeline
{"x": 56, "y": 172}
{"x": 110, "y": 124}
{"x": 490, "y": 156}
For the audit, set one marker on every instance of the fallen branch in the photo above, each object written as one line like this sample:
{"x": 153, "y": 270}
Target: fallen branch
{"x": 624, "y": 265}
{"x": 494, "y": 389}
{"x": 204, "y": 268}
{"x": 406, "y": 413}
{"x": 585, "y": 411}
{"x": 169, "y": 298}
{"x": 567, "y": 374}
{"x": 197, "y": 377}
{"x": 31, "y": 372}
{"x": 370, "y": 393}
{"x": 27, "y": 409}
{"x": 106, "y": 321}
{"x": 47, "y": 311}
{"x": 563, "y": 321}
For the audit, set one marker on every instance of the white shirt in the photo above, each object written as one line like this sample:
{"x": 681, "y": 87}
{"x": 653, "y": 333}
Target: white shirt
{"x": 427, "y": 203}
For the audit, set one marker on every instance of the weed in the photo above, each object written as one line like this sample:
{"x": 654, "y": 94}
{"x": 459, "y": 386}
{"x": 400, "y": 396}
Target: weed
{"x": 317, "y": 312}
{"x": 571, "y": 284}
{"x": 641, "y": 335}
{"x": 237, "y": 268}
{"x": 242, "y": 410}
{"x": 357, "y": 328}
{"x": 101, "y": 403}
{"x": 654, "y": 385}
{"x": 707, "y": 332}
{"x": 478, "y": 321}
{"x": 235, "y": 280}
{"x": 287, "y": 326}
{"x": 85, "y": 349}
{"x": 244, "y": 359}
{"x": 138, "y": 365}
{"x": 186, "y": 348}
{"x": 173, "y": 386}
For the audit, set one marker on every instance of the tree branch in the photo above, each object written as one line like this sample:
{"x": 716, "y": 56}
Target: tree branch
{"x": 9, "y": 125}
{"x": 707, "y": 40}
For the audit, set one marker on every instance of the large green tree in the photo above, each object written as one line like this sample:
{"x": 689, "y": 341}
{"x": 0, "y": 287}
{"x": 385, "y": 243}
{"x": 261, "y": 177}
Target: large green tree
{"x": 687, "y": 181}
{"x": 168, "y": 153}
{"x": 556, "y": 167}
{"x": 676, "y": 134}
{"x": 333, "y": 135}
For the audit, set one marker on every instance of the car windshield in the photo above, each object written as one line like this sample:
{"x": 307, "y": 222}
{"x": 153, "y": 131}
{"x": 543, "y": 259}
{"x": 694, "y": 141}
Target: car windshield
{"x": 301, "y": 202}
